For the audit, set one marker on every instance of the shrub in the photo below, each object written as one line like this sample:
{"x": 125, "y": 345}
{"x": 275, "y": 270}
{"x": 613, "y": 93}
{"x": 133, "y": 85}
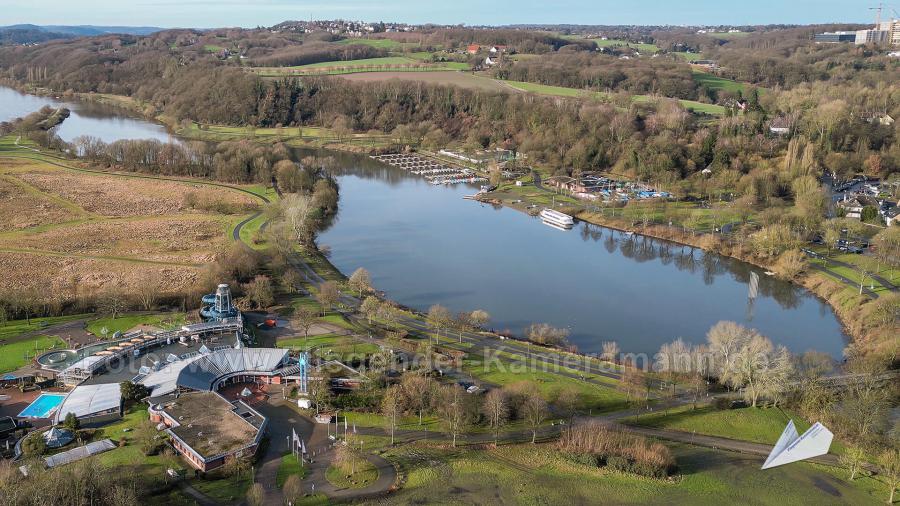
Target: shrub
{"x": 594, "y": 444}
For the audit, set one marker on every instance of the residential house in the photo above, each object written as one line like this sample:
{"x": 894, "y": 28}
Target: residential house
{"x": 883, "y": 119}
{"x": 780, "y": 126}
{"x": 473, "y": 49}
{"x": 853, "y": 207}
{"x": 892, "y": 216}
{"x": 708, "y": 65}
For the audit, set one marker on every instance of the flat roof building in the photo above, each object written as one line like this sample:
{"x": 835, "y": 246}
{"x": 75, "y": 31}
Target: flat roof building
{"x": 207, "y": 430}
{"x": 834, "y": 37}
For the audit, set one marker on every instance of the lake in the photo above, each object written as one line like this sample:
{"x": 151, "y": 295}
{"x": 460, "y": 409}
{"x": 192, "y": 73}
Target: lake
{"x": 87, "y": 118}
{"x": 425, "y": 245}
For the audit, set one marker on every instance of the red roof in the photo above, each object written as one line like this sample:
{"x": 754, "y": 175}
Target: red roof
{"x": 473, "y": 48}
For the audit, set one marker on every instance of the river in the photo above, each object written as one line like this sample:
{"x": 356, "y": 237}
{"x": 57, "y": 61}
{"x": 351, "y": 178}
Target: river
{"x": 425, "y": 245}
{"x": 87, "y": 118}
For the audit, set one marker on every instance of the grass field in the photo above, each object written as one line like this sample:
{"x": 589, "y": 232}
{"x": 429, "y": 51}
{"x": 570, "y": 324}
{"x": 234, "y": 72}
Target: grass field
{"x": 388, "y": 44}
{"x": 364, "y": 475}
{"x": 524, "y": 474}
{"x": 760, "y": 425}
{"x": 641, "y": 48}
{"x": 20, "y": 353}
{"x": 560, "y": 91}
{"x": 717, "y": 83}
{"x": 591, "y": 397}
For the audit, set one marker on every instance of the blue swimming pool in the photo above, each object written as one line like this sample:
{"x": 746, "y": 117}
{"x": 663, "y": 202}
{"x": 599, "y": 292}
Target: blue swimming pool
{"x": 43, "y": 406}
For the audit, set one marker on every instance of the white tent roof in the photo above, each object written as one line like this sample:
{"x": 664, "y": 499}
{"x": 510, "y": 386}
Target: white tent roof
{"x": 199, "y": 372}
{"x": 86, "y": 400}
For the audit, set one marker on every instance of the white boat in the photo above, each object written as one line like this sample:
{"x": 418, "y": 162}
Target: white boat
{"x": 553, "y": 217}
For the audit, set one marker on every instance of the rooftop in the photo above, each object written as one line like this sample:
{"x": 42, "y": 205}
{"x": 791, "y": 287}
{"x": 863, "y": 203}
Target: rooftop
{"x": 210, "y": 424}
{"x": 86, "y": 400}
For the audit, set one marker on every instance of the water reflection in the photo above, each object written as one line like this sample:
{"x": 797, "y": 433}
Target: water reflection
{"x": 87, "y": 118}
{"x": 425, "y": 245}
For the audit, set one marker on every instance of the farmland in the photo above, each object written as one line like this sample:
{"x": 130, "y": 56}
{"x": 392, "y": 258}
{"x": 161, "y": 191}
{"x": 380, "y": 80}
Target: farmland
{"x": 462, "y": 79}
{"x": 388, "y": 63}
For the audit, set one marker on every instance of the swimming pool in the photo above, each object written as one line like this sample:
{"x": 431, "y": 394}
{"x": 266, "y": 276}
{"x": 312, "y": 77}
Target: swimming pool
{"x": 43, "y": 406}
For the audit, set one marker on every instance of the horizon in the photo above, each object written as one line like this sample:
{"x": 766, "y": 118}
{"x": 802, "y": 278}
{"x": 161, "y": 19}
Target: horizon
{"x": 248, "y": 14}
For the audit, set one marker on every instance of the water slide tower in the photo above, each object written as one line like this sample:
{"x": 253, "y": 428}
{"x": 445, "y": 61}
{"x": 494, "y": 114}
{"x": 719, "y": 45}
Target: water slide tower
{"x": 218, "y": 306}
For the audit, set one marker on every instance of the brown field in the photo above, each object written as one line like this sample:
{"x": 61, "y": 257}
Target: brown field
{"x": 116, "y": 196}
{"x": 60, "y": 275}
{"x": 20, "y": 210}
{"x": 456, "y": 78}
{"x": 190, "y": 239}
{"x": 71, "y": 233}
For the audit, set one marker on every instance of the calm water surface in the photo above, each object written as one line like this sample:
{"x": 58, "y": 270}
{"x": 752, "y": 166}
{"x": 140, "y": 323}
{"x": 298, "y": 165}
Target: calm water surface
{"x": 425, "y": 245}
{"x": 87, "y": 118}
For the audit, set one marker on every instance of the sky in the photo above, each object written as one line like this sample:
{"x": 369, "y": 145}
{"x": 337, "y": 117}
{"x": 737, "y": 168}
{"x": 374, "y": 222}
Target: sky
{"x": 251, "y": 13}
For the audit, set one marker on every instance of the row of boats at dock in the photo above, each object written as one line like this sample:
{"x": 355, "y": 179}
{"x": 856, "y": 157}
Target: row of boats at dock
{"x": 439, "y": 173}
{"x": 434, "y": 171}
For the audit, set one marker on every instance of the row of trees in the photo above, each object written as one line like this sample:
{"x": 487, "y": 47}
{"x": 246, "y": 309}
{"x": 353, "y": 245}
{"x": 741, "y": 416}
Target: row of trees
{"x": 458, "y": 410}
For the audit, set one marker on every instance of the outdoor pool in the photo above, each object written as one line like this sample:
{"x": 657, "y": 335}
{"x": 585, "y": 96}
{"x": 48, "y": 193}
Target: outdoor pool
{"x": 43, "y": 406}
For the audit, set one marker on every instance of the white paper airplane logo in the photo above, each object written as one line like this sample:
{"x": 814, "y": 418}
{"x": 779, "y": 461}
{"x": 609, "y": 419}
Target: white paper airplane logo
{"x": 792, "y": 448}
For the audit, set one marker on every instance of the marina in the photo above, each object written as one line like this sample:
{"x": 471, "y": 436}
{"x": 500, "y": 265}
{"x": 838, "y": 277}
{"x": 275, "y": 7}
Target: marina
{"x": 601, "y": 284}
{"x": 437, "y": 173}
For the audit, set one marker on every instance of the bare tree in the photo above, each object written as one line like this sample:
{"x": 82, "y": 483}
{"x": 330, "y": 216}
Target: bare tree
{"x": 112, "y": 302}
{"x": 360, "y": 281}
{"x": 889, "y": 467}
{"x": 566, "y": 403}
{"x": 370, "y": 307}
{"x": 479, "y": 318}
{"x": 305, "y": 318}
{"x": 534, "y": 411}
{"x": 455, "y": 410}
{"x": 291, "y": 280}
{"x": 610, "y": 351}
{"x": 725, "y": 340}
{"x": 853, "y": 459}
{"x": 543, "y": 333}
{"x": 392, "y": 407}
{"x": 260, "y": 291}
{"x": 148, "y": 290}
{"x": 496, "y": 410}
{"x": 438, "y": 317}
{"x": 298, "y": 212}
{"x": 319, "y": 388}
{"x": 417, "y": 391}
{"x": 328, "y": 295}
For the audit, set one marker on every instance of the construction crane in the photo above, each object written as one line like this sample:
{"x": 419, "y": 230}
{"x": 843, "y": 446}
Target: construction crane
{"x": 877, "y": 14}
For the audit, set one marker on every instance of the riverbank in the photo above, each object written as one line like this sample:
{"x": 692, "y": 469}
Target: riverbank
{"x": 851, "y": 308}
